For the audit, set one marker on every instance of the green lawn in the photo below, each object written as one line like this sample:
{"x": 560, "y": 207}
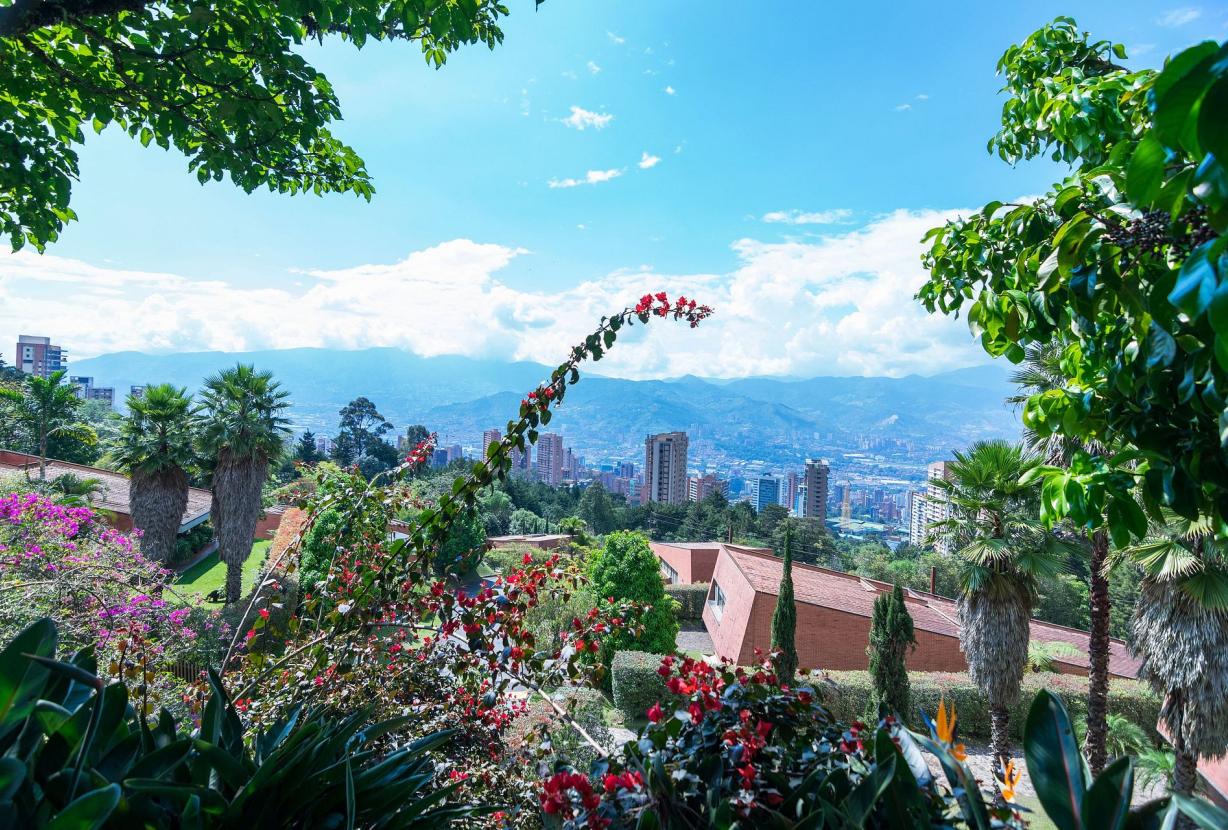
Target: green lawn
{"x": 209, "y": 574}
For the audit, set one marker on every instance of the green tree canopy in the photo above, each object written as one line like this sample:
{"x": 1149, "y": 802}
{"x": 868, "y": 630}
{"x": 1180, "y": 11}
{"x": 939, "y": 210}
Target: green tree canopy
{"x": 226, "y": 84}
{"x": 625, "y": 568}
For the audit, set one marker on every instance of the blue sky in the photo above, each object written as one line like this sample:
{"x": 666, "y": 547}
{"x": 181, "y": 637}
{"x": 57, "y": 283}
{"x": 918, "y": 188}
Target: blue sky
{"x": 851, "y": 125}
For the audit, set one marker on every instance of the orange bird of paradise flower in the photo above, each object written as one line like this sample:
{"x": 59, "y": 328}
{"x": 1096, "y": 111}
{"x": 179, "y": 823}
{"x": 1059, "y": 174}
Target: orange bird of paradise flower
{"x": 1009, "y": 781}
{"x": 945, "y": 726}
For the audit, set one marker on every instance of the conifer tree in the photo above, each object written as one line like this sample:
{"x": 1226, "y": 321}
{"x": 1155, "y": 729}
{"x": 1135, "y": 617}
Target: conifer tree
{"x": 784, "y": 619}
{"x": 891, "y": 634}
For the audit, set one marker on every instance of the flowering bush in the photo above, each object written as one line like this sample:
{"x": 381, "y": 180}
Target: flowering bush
{"x": 741, "y": 749}
{"x": 64, "y": 562}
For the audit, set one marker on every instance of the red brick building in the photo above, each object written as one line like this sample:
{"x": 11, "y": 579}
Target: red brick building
{"x": 834, "y": 610}
{"x": 685, "y": 562}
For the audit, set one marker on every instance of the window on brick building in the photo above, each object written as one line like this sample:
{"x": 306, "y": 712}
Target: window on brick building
{"x": 671, "y": 575}
{"x": 716, "y": 599}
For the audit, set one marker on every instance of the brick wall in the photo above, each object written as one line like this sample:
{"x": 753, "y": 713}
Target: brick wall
{"x": 692, "y": 564}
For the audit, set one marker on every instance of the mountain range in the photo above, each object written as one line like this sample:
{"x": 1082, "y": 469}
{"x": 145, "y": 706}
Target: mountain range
{"x": 771, "y": 420}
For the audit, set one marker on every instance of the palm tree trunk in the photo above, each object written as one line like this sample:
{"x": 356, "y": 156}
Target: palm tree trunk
{"x": 999, "y": 734}
{"x": 237, "y": 483}
{"x": 157, "y": 501}
{"x": 42, "y": 452}
{"x": 1098, "y": 657}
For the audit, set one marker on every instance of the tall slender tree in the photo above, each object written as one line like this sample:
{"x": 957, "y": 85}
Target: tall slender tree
{"x": 784, "y": 618}
{"x": 156, "y": 448}
{"x": 994, "y": 529}
{"x": 1180, "y": 628}
{"x": 1041, "y": 373}
{"x": 891, "y": 636}
{"x": 47, "y": 408}
{"x": 243, "y": 430}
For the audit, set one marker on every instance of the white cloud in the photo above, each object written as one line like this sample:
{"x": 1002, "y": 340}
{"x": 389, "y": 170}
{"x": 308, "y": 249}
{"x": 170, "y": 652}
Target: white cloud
{"x": 669, "y": 90}
{"x": 1140, "y": 49}
{"x": 581, "y": 119}
{"x": 923, "y": 97}
{"x": 797, "y": 217}
{"x": 591, "y": 177}
{"x": 903, "y": 107}
{"x": 593, "y": 67}
{"x": 569, "y": 75}
{"x": 837, "y": 305}
{"x": 1179, "y": 17}
{"x": 615, "y": 39}
{"x": 646, "y": 161}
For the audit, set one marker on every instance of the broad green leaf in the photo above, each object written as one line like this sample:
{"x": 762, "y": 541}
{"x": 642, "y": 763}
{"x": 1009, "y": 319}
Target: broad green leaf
{"x": 89, "y": 811}
{"x": 1145, "y": 174}
{"x": 1055, "y": 766}
{"x": 1108, "y": 800}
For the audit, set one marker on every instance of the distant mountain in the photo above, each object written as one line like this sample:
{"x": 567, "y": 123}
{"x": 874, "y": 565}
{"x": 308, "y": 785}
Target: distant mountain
{"x": 751, "y": 419}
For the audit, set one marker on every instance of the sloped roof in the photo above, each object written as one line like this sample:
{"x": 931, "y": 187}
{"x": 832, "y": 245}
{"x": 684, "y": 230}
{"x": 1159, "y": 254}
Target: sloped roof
{"x": 114, "y": 495}
{"x": 855, "y": 595}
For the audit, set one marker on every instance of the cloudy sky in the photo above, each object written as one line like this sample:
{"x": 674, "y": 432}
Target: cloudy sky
{"x": 779, "y": 161}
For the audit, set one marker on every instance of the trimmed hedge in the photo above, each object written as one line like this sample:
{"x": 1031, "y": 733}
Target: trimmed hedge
{"x": 690, "y": 598}
{"x": 636, "y": 683}
{"x": 847, "y": 694}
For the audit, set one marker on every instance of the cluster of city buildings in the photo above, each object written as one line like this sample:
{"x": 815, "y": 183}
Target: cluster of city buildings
{"x": 38, "y": 356}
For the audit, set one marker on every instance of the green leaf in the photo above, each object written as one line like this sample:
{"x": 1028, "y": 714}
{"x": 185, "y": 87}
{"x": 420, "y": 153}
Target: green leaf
{"x": 1055, "y": 766}
{"x": 1213, "y": 120}
{"x": 88, "y": 812}
{"x": 1108, "y": 801}
{"x": 1205, "y": 815}
{"x": 1145, "y": 174}
{"x": 12, "y": 773}
{"x": 1195, "y": 286}
{"x": 21, "y": 679}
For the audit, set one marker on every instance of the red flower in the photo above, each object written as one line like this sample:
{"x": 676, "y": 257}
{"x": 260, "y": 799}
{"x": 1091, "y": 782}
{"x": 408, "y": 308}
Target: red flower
{"x": 264, "y": 613}
{"x": 654, "y": 713}
{"x": 747, "y": 774}
{"x": 697, "y": 712}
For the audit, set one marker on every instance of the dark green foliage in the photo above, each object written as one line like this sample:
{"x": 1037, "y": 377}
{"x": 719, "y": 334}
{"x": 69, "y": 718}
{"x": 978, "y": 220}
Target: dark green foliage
{"x": 784, "y": 619}
{"x": 597, "y": 510}
{"x": 690, "y": 598}
{"x": 637, "y": 684}
{"x": 891, "y": 637}
{"x": 462, "y": 551}
{"x": 626, "y": 569}
{"x": 305, "y": 450}
{"x": 227, "y": 85}
{"x": 320, "y": 546}
{"x": 187, "y": 544}
{"x": 850, "y": 693}
{"x": 74, "y": 749}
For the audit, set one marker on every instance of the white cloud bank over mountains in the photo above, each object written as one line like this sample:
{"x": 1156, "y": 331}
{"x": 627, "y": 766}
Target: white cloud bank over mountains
{"x": 840, "y": 305}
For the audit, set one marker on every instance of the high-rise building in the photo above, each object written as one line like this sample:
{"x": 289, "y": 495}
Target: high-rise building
{"x": 700, "y": 487}
{"x": 665, "y": 468}
{"x": 136, "y": 391}
{"x": 767, "y": 491}
{"x": 87, "y": 391}
{"x": 937, "y": 505}
{"x": 39, "y": 356}
{"x": 846, "y": 506}
{"x": 814, "y": 506}
{"x": 626, "y": 470}
{"x": 520, "y": 460}
{"x": 324, "y": 445}
{"x": 788, "y": 496}
{"x": 456, "y": 453}
{"x": 550, "y": 458}
{"x": 917, "y": 530}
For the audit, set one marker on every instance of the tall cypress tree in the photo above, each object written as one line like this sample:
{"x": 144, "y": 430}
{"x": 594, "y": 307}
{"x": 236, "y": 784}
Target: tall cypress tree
{"x": 784, "y": 619}
{"x": 891, "y": 634}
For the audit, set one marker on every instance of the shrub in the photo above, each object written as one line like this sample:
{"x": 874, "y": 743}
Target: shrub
{"x": 690, "y": 599}
{"x": 891, "y": 635}
{"x": 188, "y": 544}
{"x": 637, "y": 683}
{"x": 62, "y": 773}
{"x": 848, "y": 694}
{"x": 626, "y": 569}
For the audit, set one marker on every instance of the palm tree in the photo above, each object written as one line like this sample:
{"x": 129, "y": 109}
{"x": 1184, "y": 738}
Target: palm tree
{"x": 1041, "y": 372}
{"x": 243, "y": 431}
{"x": 155, "y": 448}
{"x": 47, "y": 407}
{"x": 993, "y": 528}
{"x": 75, "y": 490}
{"x": 1180, "y": 629}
